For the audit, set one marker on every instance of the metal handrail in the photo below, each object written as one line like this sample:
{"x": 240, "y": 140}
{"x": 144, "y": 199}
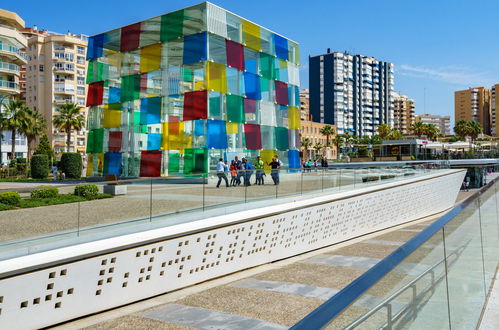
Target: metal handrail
{"x": 411, "y": 285}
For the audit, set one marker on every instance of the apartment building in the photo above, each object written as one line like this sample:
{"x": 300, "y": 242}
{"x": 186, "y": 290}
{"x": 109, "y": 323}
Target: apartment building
{"x": 494, "y": 102}
{"x": 304, "y": 104}
{"x": 474, "y": 104}
{"x": 56, "y": 74}
{"x": 12, "y": 58}
{"x": 403, "y": 113}
{"x": 441, "y": 122}
{"x": 352, "y": 92}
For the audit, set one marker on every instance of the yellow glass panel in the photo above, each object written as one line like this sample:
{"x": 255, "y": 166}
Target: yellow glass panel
{"x": 199, "y": 86}
{"x": 90, "y": 164}
{"x": 266, "y": 156}
{"x": 115, "y": 59}
{"x": 251, "y": 35}
{"x": 150, "y": 58}
{"x": 164, "y": 137}
{"x": 178, "y": 141}
{"x": 283, "y": 64}
{"x": 112, "y": 119}
{"x": 232, "y": 128}
{"x": 293, "y": 118}
{"x": 100, "y": 162}
{"x": 216, "y": 77}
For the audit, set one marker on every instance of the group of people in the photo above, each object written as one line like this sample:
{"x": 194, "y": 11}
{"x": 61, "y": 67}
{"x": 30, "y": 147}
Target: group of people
{"x": 242, "y": 170}
{"x": 308, "y": 165}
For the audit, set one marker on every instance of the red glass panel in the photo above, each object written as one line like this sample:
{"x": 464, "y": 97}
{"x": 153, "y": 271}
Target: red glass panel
{"x": 150, "y": 164}
{"x": 253, "y": 136}
{"x": 235, "y": 54}
{"x": 130, "y": 37}
{"x": 95, "y": 93}
{"x": 115, "y": 141}
{"x": 249, "y": 106}
{"x": 281, "y": 93}
{"x": 195, "y": 105}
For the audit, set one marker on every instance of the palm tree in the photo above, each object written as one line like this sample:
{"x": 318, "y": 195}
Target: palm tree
{"x": 474, "y": 129}
{"x": 383, "y": 131}
{"x": 69, "y": 117}
{"x": 338, "y": 141}
{"x": 461, "y": 129}
{"x": 318, "y": 147}
{"x": 418, "y": 128}
{"x": 306, "y": 143}
{"x": 394, "y": 134}
{"x": 432, "y": 131}
{"x": 14, "y": 120}
{"x": 36, "y": 127}
{"x": 327, "y": 131}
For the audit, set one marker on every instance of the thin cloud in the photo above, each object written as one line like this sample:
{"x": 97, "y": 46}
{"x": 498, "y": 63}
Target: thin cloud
{"x": 452, "y": 75}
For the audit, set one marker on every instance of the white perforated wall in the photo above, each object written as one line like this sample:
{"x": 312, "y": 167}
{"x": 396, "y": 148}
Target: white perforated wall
{"x": 58, "y": 293}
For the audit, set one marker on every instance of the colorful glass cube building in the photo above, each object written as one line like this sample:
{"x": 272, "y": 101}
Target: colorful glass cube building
{"x": 175, "y": 93}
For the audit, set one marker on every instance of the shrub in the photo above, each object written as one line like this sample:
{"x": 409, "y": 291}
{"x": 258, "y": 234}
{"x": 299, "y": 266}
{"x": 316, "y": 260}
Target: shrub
{"x": 39, "y": 166}
{"x": 44, "y": 148}
{"x": 4, "y": 207}
{"x": 45, "y": 193}
{"x": 10, "y": 198}
{"x": 71, "y": 164}
{"x": 21, "y": 165}
{"x": 87, "y": 190}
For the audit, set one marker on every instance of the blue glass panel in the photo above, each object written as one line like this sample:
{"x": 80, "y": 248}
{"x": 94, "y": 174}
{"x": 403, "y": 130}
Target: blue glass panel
{"x": 114, "y": 95}
{"x": 153, "y": 141}
{"x": 95, "y": 45}
{"x": 252, "y": 86}
{"x": 293, "y": 159}
{"x": 281, "y": 47}
{"x": 216, "y": 133}
{"x": 198, "y": 127}
{"x": 150, "y": 111}
{"x": 297, "y": 96}
{"x": 195, "y": 48}
{"x": 112, "y": 163}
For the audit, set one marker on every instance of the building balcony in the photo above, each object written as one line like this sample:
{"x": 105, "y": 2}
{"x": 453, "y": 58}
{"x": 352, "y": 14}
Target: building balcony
{"x": 64, "y": 91}
{"x": 63, "y": 101}
{"x": 13, "y": 54}
{"x": 9, "y": 68}
{"x": 9, "y": 87}
{"x": 64, "y": 70}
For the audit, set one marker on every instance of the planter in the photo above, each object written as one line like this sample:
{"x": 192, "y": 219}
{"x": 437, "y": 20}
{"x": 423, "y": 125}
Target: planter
{"x": 115, "y": 189}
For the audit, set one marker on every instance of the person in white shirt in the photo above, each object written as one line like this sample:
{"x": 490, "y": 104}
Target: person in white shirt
{"x": 221, "y": 169}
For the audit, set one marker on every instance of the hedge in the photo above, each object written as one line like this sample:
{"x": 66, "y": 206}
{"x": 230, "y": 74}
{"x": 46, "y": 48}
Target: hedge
{"x": 39, "y": 166}
{"x": 10, "y": 198}
{"x": 71, "y": 164}
{"x": 87, "y": 190}
{"x": 45, "y": 193}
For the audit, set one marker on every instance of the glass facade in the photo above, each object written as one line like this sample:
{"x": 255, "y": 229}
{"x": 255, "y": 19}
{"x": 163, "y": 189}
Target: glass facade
{"x": 175, "y": 93}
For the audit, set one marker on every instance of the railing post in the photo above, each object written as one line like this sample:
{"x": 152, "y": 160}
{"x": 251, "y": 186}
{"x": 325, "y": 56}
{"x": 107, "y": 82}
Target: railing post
{"x": 301, "y": 184}
{"x": 150, "y": 204}
{"x": 414, "y": 298}
{"x": 339, "y": 181}
{"x": 389, "y": 324}
{"x": 205, "y": 181}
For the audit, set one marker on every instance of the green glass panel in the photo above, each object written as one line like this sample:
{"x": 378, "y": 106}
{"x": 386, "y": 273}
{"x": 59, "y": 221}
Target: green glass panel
{"x": 90, "y": 142}
{"x": 187, "y": 75}
{"x": 281, "y": 134}
{"x": 173, "y": 163}
{"x": 98, "y": 137}
{"x": 215, "y": 105}
{"x": 172, "y": 26}
{"x": 102, "y": 71}
{"x": 130, "y": 87}
{"x": 90, "y": 72}
{"x": 195, "y": 160}
{"x": 235, "y": 111}
{"x": 267, "y": 66}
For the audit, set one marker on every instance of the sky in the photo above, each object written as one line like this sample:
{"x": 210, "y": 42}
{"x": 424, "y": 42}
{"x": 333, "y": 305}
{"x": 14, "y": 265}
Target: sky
{"x": 437, "y": 46}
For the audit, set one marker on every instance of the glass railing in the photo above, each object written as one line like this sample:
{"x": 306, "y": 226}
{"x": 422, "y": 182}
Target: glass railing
{"x": 9, "y": 66}
{"x": 11, "y": 49}
{"x": 438, "y": 280}
{"x": 145, "y": 203}
{"x": 9, "y": 84}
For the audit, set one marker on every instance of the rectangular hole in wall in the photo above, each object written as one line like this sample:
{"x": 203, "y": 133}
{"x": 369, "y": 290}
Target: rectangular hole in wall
{"x": 111, "y": 270}
{"x": 148, "y": 277}
{"x": 98, "y": 292}
{"x": 24, "y": 304}
{"x": 64, "y": 272}
{"x": 124, "y": 285}
{"x": 58, "y": 305}
{"x": 126, "y": 275}
{"x": 113, "y": 260}
{"x": 104, "y": 262}
{"x": 52, "y": 275}
{"x": 50, "y": 286}
{"x": 48, "y": 297}
{"x": 59, "y": 294}
{"x": 36, "y": 301}
{"x": 109, "y": 279}
{"x": 161, "y": 273}
{"x": 70, "y": 291}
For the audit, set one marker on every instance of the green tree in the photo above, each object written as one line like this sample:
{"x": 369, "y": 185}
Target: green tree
{"x": 44, "y": 148}
{"x": 394, "y": 134}
{"x": 383, "y": 131}
{"x": 461, "y": 129}
{"x": 69, "y": 118}
{"x": 432, "y": 132}
{"x": 306, "y": 143}
{"x": 338, "y": 141}
{"x": 327, "y": 131}
{"x": 474, "y": 129}
{"x": 14, "y": 119}
{"x": 36, "y": 127}
{"x": 318, "y": 147}
{"x": 418, "y": 129}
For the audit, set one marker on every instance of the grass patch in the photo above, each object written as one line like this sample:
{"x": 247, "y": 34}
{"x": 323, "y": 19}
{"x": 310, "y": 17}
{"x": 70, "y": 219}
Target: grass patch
{"x": 60, "y": 199}
{"x": 36, "y": 180}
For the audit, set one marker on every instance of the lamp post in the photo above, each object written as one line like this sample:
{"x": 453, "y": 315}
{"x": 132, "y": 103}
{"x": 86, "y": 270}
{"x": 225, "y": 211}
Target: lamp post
{"x": 2, "y": 99}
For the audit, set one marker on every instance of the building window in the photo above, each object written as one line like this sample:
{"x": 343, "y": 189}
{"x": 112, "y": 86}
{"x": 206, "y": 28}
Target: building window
{"x": 81, "y": 50}
{"x": 80, "y": 90}
{"x": 80, "y": 60}
{"x": 41, "y": 67}
{"x": 80, "y": 101}
{"x": 80, "y": 80}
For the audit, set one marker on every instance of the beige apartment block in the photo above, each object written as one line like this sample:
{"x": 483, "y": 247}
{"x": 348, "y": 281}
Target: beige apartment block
{"x": 403, "y": 113}
{"x": 12, "y": 58}
{"x": 441, "y": 122}
{"x": 305, "y": 104}
{"x": 473, "y": 104}
{"x": 494, "y": 107}
{"x": 56, "y": 74}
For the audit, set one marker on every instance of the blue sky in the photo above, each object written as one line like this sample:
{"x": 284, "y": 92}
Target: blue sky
{"x": 438, "y": 46}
